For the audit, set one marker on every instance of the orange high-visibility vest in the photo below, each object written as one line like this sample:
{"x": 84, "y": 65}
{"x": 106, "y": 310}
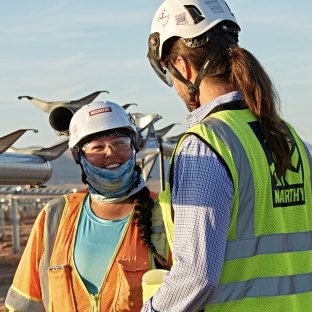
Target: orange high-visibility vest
{"x": 47, "y": 279}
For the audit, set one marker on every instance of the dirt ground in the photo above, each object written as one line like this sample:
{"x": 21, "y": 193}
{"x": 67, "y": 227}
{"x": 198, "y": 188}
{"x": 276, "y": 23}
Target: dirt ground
{"x": 9, "y": 260}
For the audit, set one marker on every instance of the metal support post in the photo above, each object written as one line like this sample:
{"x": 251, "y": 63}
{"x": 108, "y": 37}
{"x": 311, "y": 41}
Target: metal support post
{"x": 15, "y": 223}
{"x": 2, "y": 222}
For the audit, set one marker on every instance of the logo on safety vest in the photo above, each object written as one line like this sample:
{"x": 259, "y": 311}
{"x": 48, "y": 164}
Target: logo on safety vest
{"x": 287, "y": 191}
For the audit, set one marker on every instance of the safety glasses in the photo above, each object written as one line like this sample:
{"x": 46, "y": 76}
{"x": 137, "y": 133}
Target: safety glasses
{"x": 101, "y": 145}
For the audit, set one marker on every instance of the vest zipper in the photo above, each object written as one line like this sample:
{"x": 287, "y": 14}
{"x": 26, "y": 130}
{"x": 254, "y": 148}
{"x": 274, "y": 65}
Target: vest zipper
{"x": 95, "y": 303}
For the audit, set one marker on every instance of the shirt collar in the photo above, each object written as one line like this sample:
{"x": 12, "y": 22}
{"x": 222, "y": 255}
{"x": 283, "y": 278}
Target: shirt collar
{"x": 200, "y": 113}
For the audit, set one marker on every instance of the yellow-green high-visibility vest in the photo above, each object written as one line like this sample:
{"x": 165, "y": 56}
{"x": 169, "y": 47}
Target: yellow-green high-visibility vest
{"x": 268, "y": 260}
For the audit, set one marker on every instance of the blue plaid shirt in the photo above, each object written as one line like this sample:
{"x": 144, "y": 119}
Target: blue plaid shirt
{"x": 202, "y": 197}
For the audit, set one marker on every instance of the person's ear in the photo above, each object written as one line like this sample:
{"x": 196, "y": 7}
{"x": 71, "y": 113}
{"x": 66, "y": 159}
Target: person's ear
{"x": 184, "y": 67}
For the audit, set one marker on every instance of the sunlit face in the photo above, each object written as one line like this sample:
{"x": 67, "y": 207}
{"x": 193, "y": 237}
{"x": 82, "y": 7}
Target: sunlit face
{"x": 108, "y": 151}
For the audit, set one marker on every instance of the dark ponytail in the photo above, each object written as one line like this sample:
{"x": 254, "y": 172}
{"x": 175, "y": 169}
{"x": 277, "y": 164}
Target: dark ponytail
{"x": 260, "y": 96}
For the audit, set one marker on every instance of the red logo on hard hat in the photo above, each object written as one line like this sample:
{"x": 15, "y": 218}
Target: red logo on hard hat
{"x": 100, "y": 111}
{"x": 163, "y": 17}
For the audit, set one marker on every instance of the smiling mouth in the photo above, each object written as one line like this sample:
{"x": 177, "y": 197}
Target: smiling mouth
{"x": 112, "y": 166}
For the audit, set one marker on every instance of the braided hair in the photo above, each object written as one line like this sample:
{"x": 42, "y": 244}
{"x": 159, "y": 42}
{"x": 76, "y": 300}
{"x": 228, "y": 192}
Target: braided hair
{"x": 143, "y": 204}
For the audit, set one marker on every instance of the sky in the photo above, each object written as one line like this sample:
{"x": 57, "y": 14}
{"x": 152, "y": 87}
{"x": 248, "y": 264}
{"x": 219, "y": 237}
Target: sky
{"x": 67, "y": 49}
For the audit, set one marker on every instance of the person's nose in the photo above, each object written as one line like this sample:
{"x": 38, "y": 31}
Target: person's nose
{"x": 109, "y": 150}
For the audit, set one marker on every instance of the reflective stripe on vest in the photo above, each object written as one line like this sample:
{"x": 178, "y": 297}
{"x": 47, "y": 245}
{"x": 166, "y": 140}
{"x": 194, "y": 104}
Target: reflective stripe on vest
{"x": 20, "y": 302}
{"x": 54, "y": 213}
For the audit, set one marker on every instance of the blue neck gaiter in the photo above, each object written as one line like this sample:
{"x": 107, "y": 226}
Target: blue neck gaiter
{"x": 113, "y": 185}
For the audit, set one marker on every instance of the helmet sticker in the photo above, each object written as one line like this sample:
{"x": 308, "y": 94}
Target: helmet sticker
{"x": 214, "y": 6}
{"x": 181, "y": 19}
{"x": 163, "y": 17}
{"x": 100, "y": 111}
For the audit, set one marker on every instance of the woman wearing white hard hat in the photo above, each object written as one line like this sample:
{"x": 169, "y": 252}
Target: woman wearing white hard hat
{"x": 89, "y": 250}
{"x": 238, "y": 204}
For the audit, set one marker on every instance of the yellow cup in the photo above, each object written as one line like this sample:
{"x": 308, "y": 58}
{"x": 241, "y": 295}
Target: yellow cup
{"x": 151, "y": 281}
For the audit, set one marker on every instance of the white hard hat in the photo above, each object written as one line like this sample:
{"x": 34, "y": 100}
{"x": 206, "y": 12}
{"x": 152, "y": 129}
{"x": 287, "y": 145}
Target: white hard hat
{"x": 97, "y": 117}
{"x": 184, "y": 19}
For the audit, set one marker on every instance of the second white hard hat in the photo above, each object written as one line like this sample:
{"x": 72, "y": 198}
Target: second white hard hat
{"x": 97, "y": 117}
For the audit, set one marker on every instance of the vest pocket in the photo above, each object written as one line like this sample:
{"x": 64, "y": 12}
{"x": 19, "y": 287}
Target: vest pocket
{"x": 60, "y": 288}
{"x": 129, "y": 288}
